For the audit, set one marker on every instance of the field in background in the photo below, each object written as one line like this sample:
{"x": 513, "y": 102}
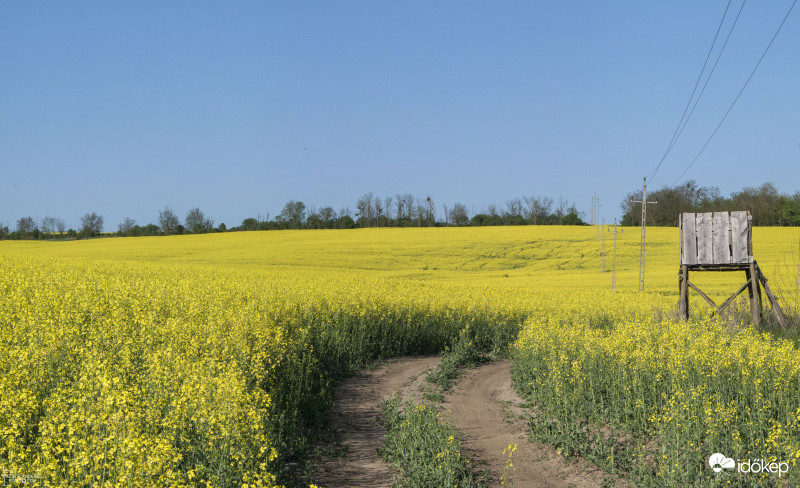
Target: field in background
{"x": 174, "y": 360}
{"x": 530, "y": 257}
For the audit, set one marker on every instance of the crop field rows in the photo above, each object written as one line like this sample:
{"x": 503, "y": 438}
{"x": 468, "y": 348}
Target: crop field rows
{"x": 203, "y": 360}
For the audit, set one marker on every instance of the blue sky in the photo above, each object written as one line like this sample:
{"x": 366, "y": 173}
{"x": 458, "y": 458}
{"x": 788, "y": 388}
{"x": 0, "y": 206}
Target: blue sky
{"x": 237, "y": 107}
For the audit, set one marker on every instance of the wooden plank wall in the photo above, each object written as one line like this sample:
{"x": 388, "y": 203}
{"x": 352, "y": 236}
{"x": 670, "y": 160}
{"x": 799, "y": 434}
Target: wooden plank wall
{"x": 716, "y": 238}
{"x": 704, "y": 238}
{"x": 721, "y": 235}
{"x": 740, "y": 238}
{"x": 689, "y": 235}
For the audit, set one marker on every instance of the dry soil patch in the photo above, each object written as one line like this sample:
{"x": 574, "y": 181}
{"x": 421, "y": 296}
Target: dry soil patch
{"x": 486, "y": 411}
{"x": 354, "y": 421}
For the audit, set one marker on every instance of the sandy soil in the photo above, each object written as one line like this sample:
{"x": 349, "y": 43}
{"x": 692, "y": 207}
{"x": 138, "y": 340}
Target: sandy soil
{"x": 354, "y": 420}
{"x": 485, "y": 409}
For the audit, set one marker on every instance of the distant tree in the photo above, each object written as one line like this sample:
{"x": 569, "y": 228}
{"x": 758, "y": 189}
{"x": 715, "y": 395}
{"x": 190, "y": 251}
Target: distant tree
{"x": 328, "y": 216}
{"x": 147, "y": 230}
{"x": 345, "y": 222}
{"x": 420, "y": 212}
{"x": 387, "y": 208}
{"x": 430, "y": 212}
{"x": 25, "y": 227}
{"x": 378, "y": 208}
{"x": 61, "y": 227}
{"x": 400, "y": 203}
{"x": 91, "y": 224}
{"x": 486, "y": 219}
{"x": 197, "y": 222}
{"x": 293, "y": 214}
{"x": 514, "y": 207}
{"x": 48, "y": 225}
{"x": 762, "y": 202}
{"x": 365, "y": 209}
{"x": 168, "y": 221}
{"x": 313, "y": 220}
{"x": 222, "y": 227}
{"x": 3, "y": 231}
{"x": 572, "y": 217}
{"x": 537, "y": 209}
{"x": 458, "y": 214}
{"x": 126, "y": 226}
{"x": 790, "y": 210}
{"x": 249, "y": 224}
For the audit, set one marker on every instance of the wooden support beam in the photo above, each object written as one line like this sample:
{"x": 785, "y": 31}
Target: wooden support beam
{"x": 755, "y": 306}
{"x": 710, "y": 301}
{"x": 721, "y": 308}
{"x": 729, "y": 300}
{"x": 719, "y": 267}
{"x": 683, "y": 300}
{"x": 773, "y": 300}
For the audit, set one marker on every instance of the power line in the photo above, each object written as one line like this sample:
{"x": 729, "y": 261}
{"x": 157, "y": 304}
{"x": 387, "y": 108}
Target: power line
{"x": 675, "y": 134}
{"x": 738, "y": 95}
{"x": 710, "y": 73}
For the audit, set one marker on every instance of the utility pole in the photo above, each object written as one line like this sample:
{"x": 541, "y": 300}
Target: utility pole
{"x": 603, "y": 244}
{"x": 644, "y": 203}
{"x": 614, "y": 266}
{"x": 596, "y": 220}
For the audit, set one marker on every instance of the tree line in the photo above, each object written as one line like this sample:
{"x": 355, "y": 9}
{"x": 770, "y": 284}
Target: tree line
{"x": 766, "y": 204}
{"x": 400, "y": 210}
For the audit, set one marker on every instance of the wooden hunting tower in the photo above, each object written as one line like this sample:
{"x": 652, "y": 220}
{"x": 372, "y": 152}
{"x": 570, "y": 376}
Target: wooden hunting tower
{"x": 721, "y": 241}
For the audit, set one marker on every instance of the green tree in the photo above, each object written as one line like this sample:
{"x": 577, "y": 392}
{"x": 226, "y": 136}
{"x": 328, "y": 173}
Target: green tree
{"x": 25, "y": 227}
{"x": 126, "y": 226}
{"x": 197, "y": 223}
{"x": 91, "y": 224}
{"x": 293, "y": 215}
{"x": 168, "y": 221}
{"x": 249, "y": 224}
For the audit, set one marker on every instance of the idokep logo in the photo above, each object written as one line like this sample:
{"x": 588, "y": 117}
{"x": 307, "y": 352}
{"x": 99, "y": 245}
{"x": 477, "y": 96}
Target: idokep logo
{"x": 718, "y": 462}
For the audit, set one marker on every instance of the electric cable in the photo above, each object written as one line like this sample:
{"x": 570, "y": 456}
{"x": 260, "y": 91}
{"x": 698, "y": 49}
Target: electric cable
{"x": 738, "y": 95}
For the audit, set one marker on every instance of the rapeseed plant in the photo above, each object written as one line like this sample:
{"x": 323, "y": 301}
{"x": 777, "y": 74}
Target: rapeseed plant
{"x": 201, "y": 360}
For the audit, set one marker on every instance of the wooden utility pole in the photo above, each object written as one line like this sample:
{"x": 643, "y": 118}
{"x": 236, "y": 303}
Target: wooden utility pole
{"x": 614, "y": 266}
{"x": 644, "y": 203}
{"x": 603, "y": 244}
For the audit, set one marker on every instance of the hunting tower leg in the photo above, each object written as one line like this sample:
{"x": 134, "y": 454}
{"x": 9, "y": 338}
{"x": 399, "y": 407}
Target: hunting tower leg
{"x": 683, "y": 300}
{"x": 755, "y": 293}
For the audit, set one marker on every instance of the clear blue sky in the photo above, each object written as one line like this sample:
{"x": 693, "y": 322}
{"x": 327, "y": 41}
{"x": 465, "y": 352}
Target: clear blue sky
{"x": 237, "y": 107}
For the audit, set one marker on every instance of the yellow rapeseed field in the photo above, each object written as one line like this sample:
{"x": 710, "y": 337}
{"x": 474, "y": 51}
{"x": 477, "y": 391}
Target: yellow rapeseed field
{"x": 200, "y": 360}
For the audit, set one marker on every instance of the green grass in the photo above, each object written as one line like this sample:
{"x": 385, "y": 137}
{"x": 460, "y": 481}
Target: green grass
{"x": 423, "y": 447}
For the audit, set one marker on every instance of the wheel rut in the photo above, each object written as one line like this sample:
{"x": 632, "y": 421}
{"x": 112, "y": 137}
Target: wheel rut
{"x": 354, "y": 421}
{"x": 482, "y": 405}
{"x": 487, "y": 412}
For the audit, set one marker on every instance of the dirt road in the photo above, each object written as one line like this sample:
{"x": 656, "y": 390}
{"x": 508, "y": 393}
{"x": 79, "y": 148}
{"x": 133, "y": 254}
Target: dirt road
{"x": 485, "y": 409}
{"x": 354, "y": 420}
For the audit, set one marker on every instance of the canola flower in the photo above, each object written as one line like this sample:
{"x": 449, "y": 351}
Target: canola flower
{"x": 200, "y": 360}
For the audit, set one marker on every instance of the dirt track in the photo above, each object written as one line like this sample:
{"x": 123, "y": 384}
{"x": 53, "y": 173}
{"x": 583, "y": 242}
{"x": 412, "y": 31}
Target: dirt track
{"x": 483, "y": 407}
{"x": 354, "y": 420}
